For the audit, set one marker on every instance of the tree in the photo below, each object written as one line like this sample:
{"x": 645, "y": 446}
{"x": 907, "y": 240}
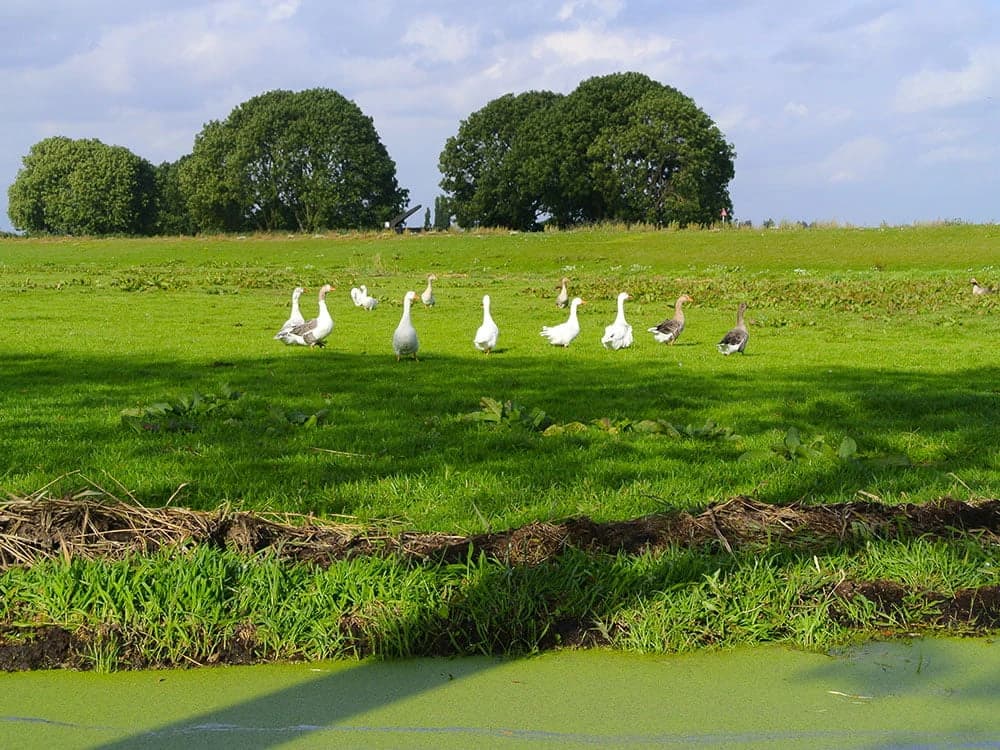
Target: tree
{"x": 306, "y": 160}
{"x": 666, "y": 161}
{"x": 619, "y": 147}
{"x": 171, "y": 214}
{"x": 598, "y": 103}
{"x": 210, "y": 184}
{"x": 481, "y": 170}
{"x": 442, "y": 213}
{"x": 71, "y": 186}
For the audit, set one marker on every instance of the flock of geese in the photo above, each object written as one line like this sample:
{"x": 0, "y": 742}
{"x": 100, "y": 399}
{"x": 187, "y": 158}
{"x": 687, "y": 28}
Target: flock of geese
{"x": 618, "y": 335}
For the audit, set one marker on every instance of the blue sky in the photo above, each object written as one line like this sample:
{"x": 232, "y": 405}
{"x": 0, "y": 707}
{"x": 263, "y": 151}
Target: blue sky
{"x": 855, "y": 112}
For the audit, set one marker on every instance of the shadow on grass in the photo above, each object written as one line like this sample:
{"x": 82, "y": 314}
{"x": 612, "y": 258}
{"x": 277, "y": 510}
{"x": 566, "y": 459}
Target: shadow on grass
{"x": 401, "y": 421}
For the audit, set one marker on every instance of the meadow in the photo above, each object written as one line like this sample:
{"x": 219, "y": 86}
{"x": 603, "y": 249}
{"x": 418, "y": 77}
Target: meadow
{"x": 146, "y": 370}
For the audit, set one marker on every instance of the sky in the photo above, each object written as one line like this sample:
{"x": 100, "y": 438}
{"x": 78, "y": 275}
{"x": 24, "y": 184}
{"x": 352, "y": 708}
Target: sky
{"x": 859, "y": 112}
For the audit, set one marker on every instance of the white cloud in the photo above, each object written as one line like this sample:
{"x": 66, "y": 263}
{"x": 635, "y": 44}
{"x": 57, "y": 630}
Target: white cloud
{"x": 179, "y": 52}
{"x": 585, "y": 45}
{"x": 942, "y": 89}
{"x": 603, "y": 9}
{"x": 737, "y": 118}
{"x": 956, "y": 153}
{"x": 440, "y": 42}
{"x": 281, "y": 10}
{"x": 836, "y": 115}
{"x": 796, "y": 109}
{"x": 855, "y": 160}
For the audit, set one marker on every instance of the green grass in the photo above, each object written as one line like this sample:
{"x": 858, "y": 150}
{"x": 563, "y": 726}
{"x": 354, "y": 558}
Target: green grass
{"x": 897, "y": 359}
{"x": 199, "y": 607}
{"x": 147, "y": 367}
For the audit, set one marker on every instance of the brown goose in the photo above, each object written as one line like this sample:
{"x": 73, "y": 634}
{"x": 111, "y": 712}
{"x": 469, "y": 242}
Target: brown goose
{"x": 312, "y": 332}
{"x": 427, "y": 296}
{"x": 563, "y": 297}
{"x": 668, "y": 331}
{"x": 736, "y": 338}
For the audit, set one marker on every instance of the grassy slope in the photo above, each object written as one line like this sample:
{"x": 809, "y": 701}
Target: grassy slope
{"x": 870, "y": 334}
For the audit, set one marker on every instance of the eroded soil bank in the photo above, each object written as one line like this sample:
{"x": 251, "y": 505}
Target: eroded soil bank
{"x": 32, "y": 529}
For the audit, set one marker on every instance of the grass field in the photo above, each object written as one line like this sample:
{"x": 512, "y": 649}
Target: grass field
{"x": 871, "y": 335}
{"x": 148, "y": 368}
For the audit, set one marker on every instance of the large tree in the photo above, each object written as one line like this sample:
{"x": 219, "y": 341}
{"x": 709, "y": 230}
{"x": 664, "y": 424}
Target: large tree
{"x": 620, "y": 147}
{"x": 485, "y": 179}
{"x": 665, "y": 162}
{"x": 306, "y": 160}
{"x": 597, "y": 104}
{"x": 83, "y": 186}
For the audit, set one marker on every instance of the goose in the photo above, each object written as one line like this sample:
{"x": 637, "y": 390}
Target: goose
{"x": 563, "y": 297}
{"x": 488, "y": 333}
{"x": 312, "y": 332}
{"x": 356, "y": 296}
{"x": 365, "y": 300}
{"x": 736, "y": 338}
{"x": 979, "y": 289}
{"x": 404, "y": 338}
{"x": 618, "y": 335}
{"x": 427, "y": 296}
{"x": 295, "y": 318}
{"x": 668, "y": 331}
{"x": 564, "y": 333}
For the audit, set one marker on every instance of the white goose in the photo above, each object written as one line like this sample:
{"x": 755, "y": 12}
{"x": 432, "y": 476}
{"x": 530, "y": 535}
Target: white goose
{"x": 365, "y": 300}
{"x": 312, "y": 332}
{"x": 979, "y": 290}
{"x": 295, "y": 318}
{"x": 427, "y": 296}
{"x": 670, "y": 329}
{"x": 564, "y": 333}
{"x": 736, "y": 338}
{"x": 356, "y": 296}
{"x": 563, "y": 297}
{"x": 618, "y": 335}
{"x": 404, "y": 338}
{"x": 489, "y": 332}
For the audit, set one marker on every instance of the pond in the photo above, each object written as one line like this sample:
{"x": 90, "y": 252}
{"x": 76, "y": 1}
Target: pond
{"x": 924, "y": 693}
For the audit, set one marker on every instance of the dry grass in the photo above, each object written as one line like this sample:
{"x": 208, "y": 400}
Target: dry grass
{"x": 93, "y": 523}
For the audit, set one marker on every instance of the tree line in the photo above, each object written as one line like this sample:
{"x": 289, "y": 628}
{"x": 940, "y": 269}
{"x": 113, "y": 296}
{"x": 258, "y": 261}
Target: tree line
{"x": 620, "y": 147}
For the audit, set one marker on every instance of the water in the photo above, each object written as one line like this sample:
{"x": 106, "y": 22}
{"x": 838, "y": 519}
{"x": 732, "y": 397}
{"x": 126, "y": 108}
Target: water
{"x": 924, "y": 694}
